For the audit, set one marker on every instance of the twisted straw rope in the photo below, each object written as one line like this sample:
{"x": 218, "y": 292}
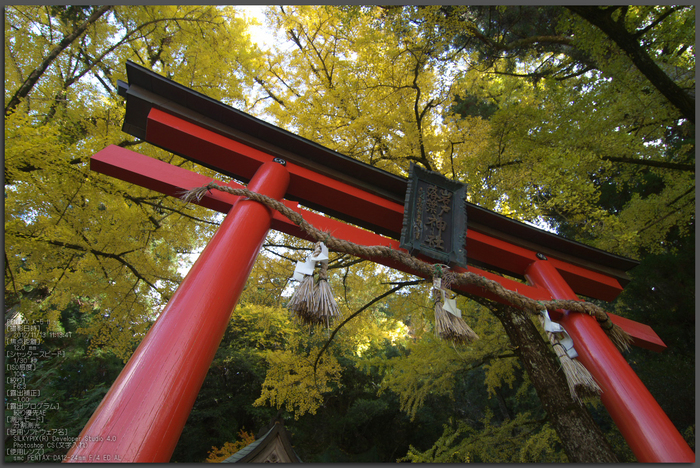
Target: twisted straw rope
{"x": 618, "y": 336}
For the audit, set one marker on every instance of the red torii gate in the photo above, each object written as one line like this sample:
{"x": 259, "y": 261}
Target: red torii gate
{"x": 143, "y": 414}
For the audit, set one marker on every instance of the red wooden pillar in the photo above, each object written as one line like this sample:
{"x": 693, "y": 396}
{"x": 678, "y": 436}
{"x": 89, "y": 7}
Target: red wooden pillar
{"x": 143, "y": 414}
{"x": 649, "y": 432}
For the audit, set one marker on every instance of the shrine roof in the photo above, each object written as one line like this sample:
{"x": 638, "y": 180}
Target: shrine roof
{"x": 274, "y": 446}
{"x": 147, "y": 90}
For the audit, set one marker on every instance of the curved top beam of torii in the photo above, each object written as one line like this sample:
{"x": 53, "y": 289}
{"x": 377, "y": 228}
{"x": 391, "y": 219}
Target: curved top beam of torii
{"x": 147, "y": 90}
{"x": 234, "y": 143}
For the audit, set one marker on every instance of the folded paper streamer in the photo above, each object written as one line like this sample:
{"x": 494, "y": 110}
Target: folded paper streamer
{"x": 313, "y": 302}
{"x": 580, "y": 381}
{"x": 564, "y": 339}
{"x": 448, "y": 318}
{"x": 450, "y": 305}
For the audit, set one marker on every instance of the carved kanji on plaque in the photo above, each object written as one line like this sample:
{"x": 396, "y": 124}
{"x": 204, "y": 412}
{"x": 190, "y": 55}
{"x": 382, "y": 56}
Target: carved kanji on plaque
{"x": 435, "y": 217}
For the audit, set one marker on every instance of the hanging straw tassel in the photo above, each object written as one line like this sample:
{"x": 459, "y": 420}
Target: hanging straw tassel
{"x": 303, "y": 298}
{"x": 324, "y": 305}
{"x": 313, "y": 302}
{"x": 448, "y": 325}
{"x": 580, "y": 381}
{"x": 301, "y": 302}
{"x": 443, "y": 325}
{"x": 462, "y": 332}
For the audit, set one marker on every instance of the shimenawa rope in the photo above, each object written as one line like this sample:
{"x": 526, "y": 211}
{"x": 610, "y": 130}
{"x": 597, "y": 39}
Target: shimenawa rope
{"x": 618, "y": 336}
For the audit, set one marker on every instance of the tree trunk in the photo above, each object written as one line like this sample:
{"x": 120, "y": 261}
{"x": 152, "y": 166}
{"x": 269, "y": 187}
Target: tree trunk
{"x": 581, "y": 437}
{"x": 616, "y": 31}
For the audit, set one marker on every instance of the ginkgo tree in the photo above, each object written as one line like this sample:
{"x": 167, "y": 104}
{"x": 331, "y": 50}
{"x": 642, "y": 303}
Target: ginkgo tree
{"x": 385, "y": 111}
{"x": 572, "y": 119}
{"x": 584, "y": 132}
{"x": 70, "y": 232}
{"x": 536, "y": 109}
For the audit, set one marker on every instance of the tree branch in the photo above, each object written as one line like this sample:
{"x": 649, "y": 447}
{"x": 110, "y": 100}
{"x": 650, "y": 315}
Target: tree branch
{"x": 528, "y": 41}
{"x": 601, "y": 18}
{"x": 63, "y": 273}
{"x": 36, "y": 74}
{"x": 9, "y": 270}
{"x": 500, "y": 165}
{"x": 670, "y": 213}
{"x": 282, "y": 256}
{"x": 268, "y": 91}
{"x": 95, "y": 252}
{"x": 126, "y": 143}
{"x": 139, "y": 200}
{"x": 423, "y": 159}
{"x": 647, "y": 162}
{"x": 352, "y": 316}
{"x": 487, "y": 359}
{"x": 656, "y": 22}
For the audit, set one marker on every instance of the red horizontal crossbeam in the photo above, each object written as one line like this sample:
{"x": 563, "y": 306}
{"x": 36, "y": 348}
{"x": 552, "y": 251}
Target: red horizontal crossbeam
{"x": 232, "y": 157}
{"x": 174, "y": 181}
{"x": 214, "y": 150}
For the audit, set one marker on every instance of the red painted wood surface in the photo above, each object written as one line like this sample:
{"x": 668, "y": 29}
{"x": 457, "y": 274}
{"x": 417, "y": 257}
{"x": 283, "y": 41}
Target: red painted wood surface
{"x": 143, "y": 414}
{"x": 183, "y": 137}
{"x": 216, "y": 150}
{"x": 172, "y": 180}
{"x": 647, "y": 429}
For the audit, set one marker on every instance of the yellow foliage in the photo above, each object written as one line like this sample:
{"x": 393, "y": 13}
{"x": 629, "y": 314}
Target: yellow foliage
{"x": 291, "y": 382}
{"x": 545, "y": 154}
{"x": 499, "y": 372}
{"x": 518, "y": 440}
{"x": 217, "y": 455}
{"x": 71, "y": 233}
{"x": 429, "y": 370}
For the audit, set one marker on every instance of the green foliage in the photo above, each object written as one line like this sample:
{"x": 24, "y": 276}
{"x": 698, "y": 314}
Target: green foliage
{"x": 473, "y": 106}
{"x": 515, "y": 441}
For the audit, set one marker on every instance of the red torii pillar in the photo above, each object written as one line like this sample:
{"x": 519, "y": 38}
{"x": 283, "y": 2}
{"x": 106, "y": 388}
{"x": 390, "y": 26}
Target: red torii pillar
{"x": 647, "y": 429}
{"x": 143, "y": 414}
